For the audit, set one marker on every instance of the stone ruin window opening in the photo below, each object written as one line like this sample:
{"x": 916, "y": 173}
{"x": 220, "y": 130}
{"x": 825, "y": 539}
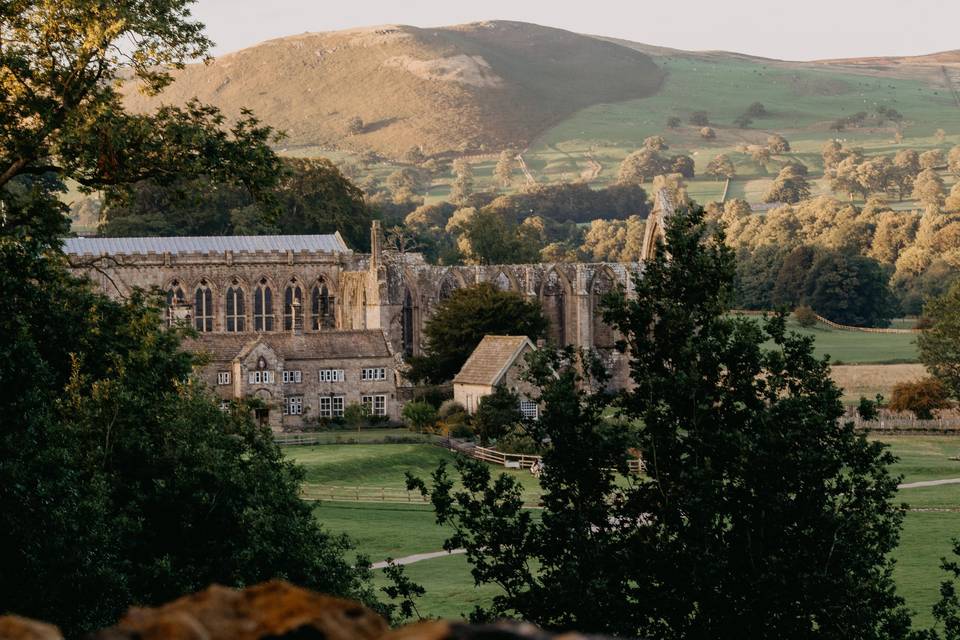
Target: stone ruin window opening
{"x": 203, "y": 308}
{"x": 554, "y": 308}
{"x": 502, "y": 282}
{"x": 263, "y": 307}
{"x": 175, "y": 298}
{"x": 321, "y": 307}
{"x": 603, "y": 333}
{"x": 406, "y": 323}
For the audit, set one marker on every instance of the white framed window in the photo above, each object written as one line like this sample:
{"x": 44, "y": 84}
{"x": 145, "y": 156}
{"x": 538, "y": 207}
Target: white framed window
{"x": 331, "y": 375}
{"x": 223, "y": 377}
{"x": 292, "y": 377}
{"x": 529, "y": 409}
{"x": 293, "y": 406}
{"x": 376, "y": 404}
{"x": 261, "y": 377}
{"x": 331, "y": 406}
{"x": 373, "y": 373}
{"x": 224, "y": 405}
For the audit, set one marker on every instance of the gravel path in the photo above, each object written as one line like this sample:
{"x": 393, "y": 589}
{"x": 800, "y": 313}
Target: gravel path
{"x": 417, "y": 557}
{"x": 928, "y": 483}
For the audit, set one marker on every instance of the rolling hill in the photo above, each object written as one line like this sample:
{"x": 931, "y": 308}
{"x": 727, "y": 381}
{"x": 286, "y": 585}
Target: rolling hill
{"x": 470, "y": 87}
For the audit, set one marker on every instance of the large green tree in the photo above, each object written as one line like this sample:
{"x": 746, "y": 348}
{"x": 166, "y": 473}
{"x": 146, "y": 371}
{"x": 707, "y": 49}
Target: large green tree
{"x": 939, "y": 343}
{"x": 760, "y": 514}
{"x": 460, "y": 322}
{"x": 121, "y": 480}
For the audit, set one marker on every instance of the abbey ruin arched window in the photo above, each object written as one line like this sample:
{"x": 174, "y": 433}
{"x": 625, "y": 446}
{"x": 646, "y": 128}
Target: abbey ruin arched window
{"x": 502, "y": 282}
{"x": 554, "y": 308}
{"x": 176, "y": 298}
{"x": 175, "y": 294}
{"x": 321, "y": 307}
{"x": 603, "y": 334}
{"x": 236, "y": 309}
{"x": 406, "y": 323}
{"x": 292, "y": 294}
{"x": 263, "y": 307}
{"x": 203, "y": 307}
{"x": 447, "y": 287}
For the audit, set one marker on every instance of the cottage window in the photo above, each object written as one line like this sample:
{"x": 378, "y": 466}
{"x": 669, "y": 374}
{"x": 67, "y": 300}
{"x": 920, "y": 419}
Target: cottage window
{"x": 377, "y": 405}
{"x": 292, "y": 377}
{"x": 293, "y": 406}
{"x": 331, "y": 375}
{"x": 223, "y": 377}
{"x": 373, "y": 373}
{"x": 529, "y": 409}
{"x": 331, "y": 406}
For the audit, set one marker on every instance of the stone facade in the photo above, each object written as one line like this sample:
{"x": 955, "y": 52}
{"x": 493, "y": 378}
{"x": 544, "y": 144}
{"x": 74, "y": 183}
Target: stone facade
{"x": 272, "y": 286}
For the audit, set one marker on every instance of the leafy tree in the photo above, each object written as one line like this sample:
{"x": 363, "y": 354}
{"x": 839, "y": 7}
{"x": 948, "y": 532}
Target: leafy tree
{"x": 504, "y": 169}
{"x": 788, "y": 290}
{"x": 921, "y": 397}
{"x": 790, "y": 186}
{"x": 805, "y": 316}
{"x": 419, "y": 415}
{"x": 939, "y": 344}
{"x": 462, "y": 185}
{"x": 496, "y": 414}
{"x": 757, "y": 110}
{"x": 928, "y": 188}
{"x": 757, "y": 275}
{"x": 655, "y": 143}
{"x": 932, "y": 159}
{"x": 721, "y": 167}
{"x": 777, "y": 144}
{"x": 707, "y": 133}
{"x": 640, "y": 166}
{"x": 673, "y": 122}
{"x": 460, "y": 322}
{"x": 121, "y": 479}
{"x": 743, "y": 121}
{"x": 683, "y": 165}
{"x": 355, "y": 125}
{"x": 489, "y": 238}
{"x": 953, "y": 160}
{"x": 699, "y": 119}
{"x": 868, "y": 409}
{"x": 749, "y": 476}
{"x": 850, "y": 290}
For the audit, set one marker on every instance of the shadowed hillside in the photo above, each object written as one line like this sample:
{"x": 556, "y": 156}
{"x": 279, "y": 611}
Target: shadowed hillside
{"x": 470, "y": 87}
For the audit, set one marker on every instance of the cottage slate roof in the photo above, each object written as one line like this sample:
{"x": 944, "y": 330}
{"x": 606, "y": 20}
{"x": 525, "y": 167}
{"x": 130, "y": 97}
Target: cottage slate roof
{"x": 329, "y": 243}
{"x": 491, "y": 359}
{"x": 318, "y": 345}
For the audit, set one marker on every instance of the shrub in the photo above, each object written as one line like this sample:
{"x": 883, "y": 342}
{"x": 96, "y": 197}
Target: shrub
{"x": 450, "y": 407}
{"x": 517, "y": 440}
{"x": 921, "y": 398}
{"x": 805, "y": 316}
{"x": 870, "y": 409}
{"x": 419, "y": 415}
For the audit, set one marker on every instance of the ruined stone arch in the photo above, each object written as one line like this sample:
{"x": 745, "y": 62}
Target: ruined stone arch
{"x": 323, "y": 303}
{"x": 505, "y": 280}
{"x": 451, "y": 281}
{"x": 556, "y": 298}
{"x": 604, "y": 281}
{"x": 407, "y": 320}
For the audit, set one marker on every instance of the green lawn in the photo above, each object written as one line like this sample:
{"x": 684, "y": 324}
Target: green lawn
{"x": 382, "y": 530}
{"x": 858, "y": 347}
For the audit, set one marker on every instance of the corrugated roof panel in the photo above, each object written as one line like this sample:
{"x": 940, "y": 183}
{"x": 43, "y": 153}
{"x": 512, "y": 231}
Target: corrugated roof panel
{"x": 330, "y": 243}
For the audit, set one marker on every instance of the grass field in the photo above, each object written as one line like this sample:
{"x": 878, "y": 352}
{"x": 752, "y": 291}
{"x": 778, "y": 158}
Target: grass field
{"x": 395, "y": 530}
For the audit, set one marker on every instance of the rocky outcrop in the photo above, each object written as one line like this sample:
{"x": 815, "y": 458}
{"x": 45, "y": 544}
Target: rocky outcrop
{"x": 273, "y": 610}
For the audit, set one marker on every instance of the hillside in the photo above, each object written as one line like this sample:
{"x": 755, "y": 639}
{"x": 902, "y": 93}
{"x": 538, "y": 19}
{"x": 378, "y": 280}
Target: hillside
{"x": 478, "y": 86}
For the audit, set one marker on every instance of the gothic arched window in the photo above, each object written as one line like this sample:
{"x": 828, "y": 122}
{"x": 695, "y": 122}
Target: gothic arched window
{"x": 292, "y": 294}
{"x": 263, "y": 307}
{"x": 175, "y": 294}
{"x": 203, "y": 307}
{"x": 554, "y": 308}
{"x": 236, "y": 309}
{"x": 321, "y": 306}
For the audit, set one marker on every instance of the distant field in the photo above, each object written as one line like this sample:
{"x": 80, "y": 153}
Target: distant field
{"x": 867, "y": 380}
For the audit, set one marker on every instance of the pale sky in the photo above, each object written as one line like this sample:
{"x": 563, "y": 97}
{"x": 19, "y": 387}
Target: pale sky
{"x": 797, "y": 30}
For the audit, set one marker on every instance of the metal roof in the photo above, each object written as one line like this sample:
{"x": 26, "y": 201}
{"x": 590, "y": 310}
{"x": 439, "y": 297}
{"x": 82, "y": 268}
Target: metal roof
{"x": 329, "y": 243}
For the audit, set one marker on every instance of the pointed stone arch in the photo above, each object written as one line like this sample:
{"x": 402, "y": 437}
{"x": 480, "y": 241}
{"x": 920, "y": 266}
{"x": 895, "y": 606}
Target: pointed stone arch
{"x": 556, "y": 298}
{"x": 604, "y": 281}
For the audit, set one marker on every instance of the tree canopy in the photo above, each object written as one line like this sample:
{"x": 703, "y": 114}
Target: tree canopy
{"x": 460, "y": 322}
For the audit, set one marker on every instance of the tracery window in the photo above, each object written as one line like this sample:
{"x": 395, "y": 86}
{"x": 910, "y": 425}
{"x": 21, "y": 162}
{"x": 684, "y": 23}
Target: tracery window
{"x": 292, "y": 294}
{"x": 263, "y": 307}
{"x": 321, "y": 307}
{"x": 236, "y": 309}
{"x": 203, "y": 307}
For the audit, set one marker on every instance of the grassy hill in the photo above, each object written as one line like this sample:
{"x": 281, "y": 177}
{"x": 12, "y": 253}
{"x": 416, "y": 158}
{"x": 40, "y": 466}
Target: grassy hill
{"x": 478, "y": 86}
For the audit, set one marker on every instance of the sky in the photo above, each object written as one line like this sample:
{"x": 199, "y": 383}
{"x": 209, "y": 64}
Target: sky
{"x": 803, "y": 30}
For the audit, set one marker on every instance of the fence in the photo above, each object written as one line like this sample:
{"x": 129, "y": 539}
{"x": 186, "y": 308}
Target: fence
{"x": 379, "y": 436}
{"x": 905, "y": 424}
{"x": 829, "y": 323}
{"x": 510, "y": 460}
{"x": 316, "y": 493}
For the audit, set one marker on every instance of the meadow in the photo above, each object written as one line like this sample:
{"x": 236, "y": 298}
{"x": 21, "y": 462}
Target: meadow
{"x": 384, "y": 530}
